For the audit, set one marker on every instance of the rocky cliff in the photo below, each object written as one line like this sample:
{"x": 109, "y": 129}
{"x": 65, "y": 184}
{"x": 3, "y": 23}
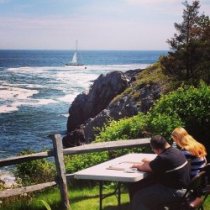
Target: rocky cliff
{"x": 112, "y": 96}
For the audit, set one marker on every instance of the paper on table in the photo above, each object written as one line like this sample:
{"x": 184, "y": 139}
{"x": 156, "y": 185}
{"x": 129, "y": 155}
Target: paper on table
{"x": 122, "y": 166}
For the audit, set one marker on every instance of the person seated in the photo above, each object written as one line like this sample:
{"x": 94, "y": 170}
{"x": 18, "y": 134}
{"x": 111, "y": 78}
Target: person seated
{"x": 171, "y": 172}
{"x": 194, "y": 151}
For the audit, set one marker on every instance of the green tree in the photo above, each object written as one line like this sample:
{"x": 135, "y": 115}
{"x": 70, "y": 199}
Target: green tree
{"x": 189, "y": 55}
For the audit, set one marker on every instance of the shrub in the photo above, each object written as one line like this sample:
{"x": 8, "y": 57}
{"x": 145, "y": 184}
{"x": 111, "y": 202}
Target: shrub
{"x": 189, "y": 103}
{"x": 35, "y": 171}
{"x": 126, "y": 128}
{"x": 75, "y": 163}
{"x": 191, "y": 107}
{"x": 163, "y": 124}
{"x": 188, "y": 106}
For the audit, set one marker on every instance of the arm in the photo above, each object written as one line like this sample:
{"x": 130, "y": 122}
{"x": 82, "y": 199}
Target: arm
{"x": 143, "y": 166}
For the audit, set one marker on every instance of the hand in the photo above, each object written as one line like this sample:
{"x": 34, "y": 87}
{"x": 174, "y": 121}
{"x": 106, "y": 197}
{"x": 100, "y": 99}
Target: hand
{"x": 137, "y": 165}
{"x": 145, "y": 160}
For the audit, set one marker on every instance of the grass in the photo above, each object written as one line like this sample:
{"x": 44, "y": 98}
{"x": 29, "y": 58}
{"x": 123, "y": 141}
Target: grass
{"x": 82, "y": 198}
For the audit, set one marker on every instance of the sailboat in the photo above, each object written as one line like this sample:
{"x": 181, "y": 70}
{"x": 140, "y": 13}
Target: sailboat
{"x": 75, "y": 59}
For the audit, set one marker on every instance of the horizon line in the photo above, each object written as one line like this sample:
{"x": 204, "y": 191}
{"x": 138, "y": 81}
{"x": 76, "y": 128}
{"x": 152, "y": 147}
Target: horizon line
{"x": 41, "y": 49}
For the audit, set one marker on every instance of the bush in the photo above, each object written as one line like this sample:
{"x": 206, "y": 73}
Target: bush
{"x": 35, "y": 171}
{"x": 163, "y": 124}
{"x": 187, "y": 106}
{"x": 127, "y": 128}
{"x": 75, "y": 163}
{"x": 190, "y": 104}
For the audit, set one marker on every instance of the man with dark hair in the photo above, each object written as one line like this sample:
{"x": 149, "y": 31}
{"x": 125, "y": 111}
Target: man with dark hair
{"x": 170, "y": 170}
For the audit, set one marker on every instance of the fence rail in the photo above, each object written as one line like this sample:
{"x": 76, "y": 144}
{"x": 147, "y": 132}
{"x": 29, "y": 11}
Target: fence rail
{"x": 58, "y": 153}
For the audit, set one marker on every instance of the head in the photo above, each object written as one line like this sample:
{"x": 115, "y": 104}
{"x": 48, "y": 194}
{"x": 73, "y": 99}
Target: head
{"x": 178, "y": 135}
{"x": 184, "y": 140}
{"x": 158, "y": 144}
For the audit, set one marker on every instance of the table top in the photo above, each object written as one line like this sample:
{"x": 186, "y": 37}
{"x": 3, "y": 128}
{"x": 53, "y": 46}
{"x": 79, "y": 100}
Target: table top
{"x": 117, "y": 169}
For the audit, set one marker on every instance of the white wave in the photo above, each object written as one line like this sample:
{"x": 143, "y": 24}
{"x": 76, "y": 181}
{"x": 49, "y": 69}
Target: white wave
{"x": 11, "y": 93}
{"x": 68, "y": 98}
{"x": 15, "y": 97}
{"x": 14, "y": 106}
{"x": 86, "y": 68}
{"x": 8, "y": 109}
{"x": 65, "y": 115}
{"x": 120, "y": 67}
{"x": 71, "y": 80}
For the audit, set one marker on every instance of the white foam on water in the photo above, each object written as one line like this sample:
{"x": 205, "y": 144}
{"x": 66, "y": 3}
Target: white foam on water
{"x": 11, "y": 93}
{"x": 68, "y": 98}
{"x": 8, "y": 108}
{"x": 15, "y": 97}
{"x": 71, "y": 80}
{"x": 65, "y": 115}
{"x": 73, "y": 69}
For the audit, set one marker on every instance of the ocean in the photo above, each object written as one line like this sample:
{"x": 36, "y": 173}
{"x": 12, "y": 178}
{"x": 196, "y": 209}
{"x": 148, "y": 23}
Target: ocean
{"x": 37, "y": 89}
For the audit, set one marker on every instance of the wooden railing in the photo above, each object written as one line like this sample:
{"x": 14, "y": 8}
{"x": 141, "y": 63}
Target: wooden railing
{"x": 58, "y": 152}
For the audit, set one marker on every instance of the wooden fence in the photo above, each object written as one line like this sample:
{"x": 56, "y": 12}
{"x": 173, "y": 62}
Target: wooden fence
{"x": 58, "y": 152}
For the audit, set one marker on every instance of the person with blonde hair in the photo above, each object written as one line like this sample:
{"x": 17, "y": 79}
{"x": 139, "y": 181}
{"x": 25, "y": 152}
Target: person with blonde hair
{"x": 193, "y": 150}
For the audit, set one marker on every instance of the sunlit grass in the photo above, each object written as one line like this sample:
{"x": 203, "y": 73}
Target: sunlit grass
{"x": 81, "y": 198}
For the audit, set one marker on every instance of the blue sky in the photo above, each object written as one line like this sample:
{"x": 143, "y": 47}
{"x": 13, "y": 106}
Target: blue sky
{"x": 97, "y": 24}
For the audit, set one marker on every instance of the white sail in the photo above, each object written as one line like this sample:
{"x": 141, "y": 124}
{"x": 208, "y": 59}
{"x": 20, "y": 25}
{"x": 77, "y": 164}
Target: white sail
{"x": 75, "y": 60}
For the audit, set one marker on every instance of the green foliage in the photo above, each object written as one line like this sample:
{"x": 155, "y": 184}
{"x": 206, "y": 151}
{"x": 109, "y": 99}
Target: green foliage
{"x": 85, "y": 198}
{"x": 47, "y": 206}
{"x": 35, "y": 171}
{"x": 81, "y": 198}
{"x": 190, "y": 58}
{"x": 187, "y": 106}
{"x": 163, "y": 124}
{"x": 126, "y": 128}
{"x": 191, "y": 105}
{"x": 75, "y": 163}
{"x": 123, "y": 129}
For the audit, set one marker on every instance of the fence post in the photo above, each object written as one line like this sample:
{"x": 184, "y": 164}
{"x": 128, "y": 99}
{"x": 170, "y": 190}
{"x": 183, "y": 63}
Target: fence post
{"x": 61, "y": 172}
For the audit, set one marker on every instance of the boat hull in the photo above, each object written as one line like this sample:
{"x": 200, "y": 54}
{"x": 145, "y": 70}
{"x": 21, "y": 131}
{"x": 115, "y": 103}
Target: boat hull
{"x": 72, "y": 64}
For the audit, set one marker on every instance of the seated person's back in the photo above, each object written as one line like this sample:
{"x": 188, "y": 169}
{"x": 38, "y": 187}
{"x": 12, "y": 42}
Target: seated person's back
{"x": 193, "y": 150}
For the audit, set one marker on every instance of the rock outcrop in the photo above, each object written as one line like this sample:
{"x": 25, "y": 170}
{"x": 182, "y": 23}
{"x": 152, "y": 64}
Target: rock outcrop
{"x": 126, "y": 106}
{"x": 112, "y": 96}
{"x": 103, "y": 90}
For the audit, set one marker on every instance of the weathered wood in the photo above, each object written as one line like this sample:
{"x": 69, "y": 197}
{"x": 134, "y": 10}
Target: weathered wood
{"x": 24, "y": 158}
{"x": 106, "y": 146}
{"x": 95, "y": 147}
{"x": 28, "y": 189}
{"x": 61, "y": 172}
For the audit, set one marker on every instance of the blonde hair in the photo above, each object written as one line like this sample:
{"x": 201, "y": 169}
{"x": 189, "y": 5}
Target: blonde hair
{"x": 187, "y": 142}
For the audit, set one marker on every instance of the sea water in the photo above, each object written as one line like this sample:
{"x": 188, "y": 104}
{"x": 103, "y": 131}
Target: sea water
{"x": 37, "y": 89}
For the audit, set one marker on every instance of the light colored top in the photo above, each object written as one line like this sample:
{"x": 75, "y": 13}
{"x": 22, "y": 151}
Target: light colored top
{"x": 118, "y": 169}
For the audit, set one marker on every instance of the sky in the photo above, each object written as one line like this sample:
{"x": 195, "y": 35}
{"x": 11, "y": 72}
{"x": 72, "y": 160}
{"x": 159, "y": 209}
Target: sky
{"x": 96, "y": 24}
